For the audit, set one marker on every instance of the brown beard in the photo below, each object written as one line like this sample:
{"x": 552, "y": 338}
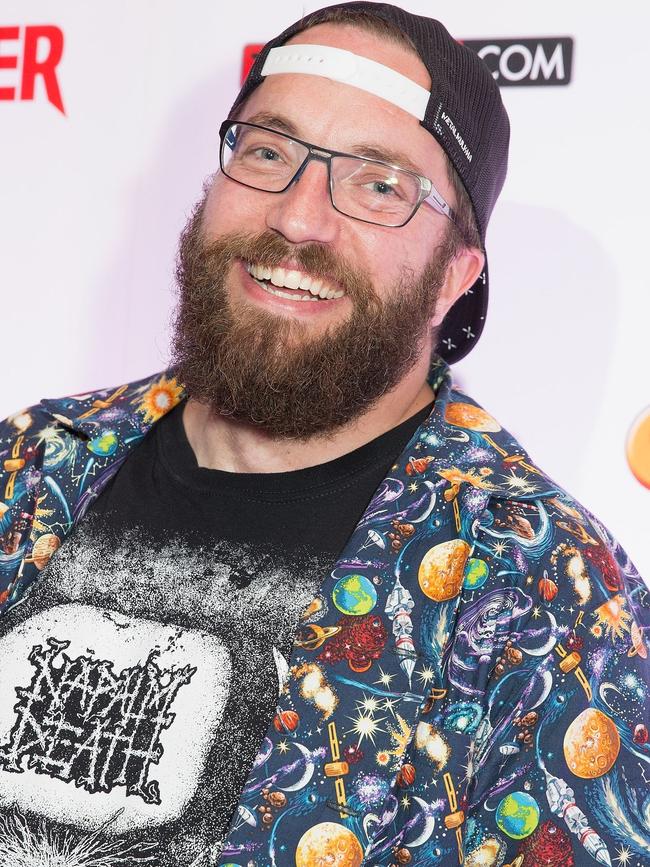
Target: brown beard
{"x": 266, "y": 370}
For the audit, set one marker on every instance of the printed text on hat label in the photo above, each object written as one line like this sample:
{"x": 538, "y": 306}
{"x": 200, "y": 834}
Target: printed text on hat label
{"x": 461, "y": 141}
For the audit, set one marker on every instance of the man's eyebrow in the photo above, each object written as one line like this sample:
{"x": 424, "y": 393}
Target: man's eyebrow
{"x": 386, "y": 155}
{"x": 275, "y": 121}
{"x": 371, "y": 151}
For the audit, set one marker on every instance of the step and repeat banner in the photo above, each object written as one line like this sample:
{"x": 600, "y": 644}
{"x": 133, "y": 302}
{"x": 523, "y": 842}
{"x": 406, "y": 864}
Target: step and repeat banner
{"x": 108, "y": 129}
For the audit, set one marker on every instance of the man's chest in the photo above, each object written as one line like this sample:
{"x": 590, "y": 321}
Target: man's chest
{"x": 143, "y": 673}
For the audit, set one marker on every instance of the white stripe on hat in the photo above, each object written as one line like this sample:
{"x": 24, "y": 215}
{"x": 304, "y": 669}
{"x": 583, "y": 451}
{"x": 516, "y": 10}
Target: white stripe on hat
{"x": 348, "y": 68}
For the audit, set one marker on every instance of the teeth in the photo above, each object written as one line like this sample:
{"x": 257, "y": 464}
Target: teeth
{"x": 305, "y": 282}
{"x": 282, "y": 294}
{"x": 281, "y": 277}
{"x": 260, "y": 272}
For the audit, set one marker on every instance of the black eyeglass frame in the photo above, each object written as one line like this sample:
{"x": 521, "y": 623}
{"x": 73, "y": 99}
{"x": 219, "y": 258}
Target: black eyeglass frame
{"x": 428, "y": 193}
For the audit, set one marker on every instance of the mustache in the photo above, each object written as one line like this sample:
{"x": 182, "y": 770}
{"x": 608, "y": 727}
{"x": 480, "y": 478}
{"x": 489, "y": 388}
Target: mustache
{"x": 268, "y": 248}
{"x": 264, "y": 369}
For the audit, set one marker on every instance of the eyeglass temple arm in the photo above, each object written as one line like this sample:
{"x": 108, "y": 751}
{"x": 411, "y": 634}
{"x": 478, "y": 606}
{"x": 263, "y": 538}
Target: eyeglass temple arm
{"x": 435, "y": 201}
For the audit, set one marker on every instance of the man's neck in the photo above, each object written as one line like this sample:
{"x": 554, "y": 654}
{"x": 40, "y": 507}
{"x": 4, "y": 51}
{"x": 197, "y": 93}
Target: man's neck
{"x": 223, "y": 443}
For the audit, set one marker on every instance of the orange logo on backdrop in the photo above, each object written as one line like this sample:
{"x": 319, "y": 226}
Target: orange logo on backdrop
{"x": 40, "y": 47}
{"x": 638, "y": 448}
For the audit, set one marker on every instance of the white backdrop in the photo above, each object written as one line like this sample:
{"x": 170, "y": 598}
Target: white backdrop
{"x": 92, "y": 202}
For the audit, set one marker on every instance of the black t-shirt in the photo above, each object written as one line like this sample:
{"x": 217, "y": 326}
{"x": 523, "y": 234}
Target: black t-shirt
{"x": 175, "y": 601}
{"x": 310, "y": 511}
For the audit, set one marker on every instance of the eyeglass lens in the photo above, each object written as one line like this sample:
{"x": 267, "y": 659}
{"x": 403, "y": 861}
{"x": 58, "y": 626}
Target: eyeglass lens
{"x": 367, "y": 190}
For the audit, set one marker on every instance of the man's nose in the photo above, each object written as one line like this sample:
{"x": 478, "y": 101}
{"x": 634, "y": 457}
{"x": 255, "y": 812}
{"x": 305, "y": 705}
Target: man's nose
{"x": 304, "y": 212}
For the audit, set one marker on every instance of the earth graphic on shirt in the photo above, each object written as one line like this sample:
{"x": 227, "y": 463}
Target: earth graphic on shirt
{"x": 476, "y": 573}
{"x": 517, "y": 815}
{"x": 354, "y": 594}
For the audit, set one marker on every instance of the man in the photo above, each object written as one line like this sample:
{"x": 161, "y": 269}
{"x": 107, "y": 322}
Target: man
{"x": 321, "y": 609}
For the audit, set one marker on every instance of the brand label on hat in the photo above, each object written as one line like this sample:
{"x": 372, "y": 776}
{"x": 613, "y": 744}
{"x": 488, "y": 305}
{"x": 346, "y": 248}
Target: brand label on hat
{"x": 443, "y": 117}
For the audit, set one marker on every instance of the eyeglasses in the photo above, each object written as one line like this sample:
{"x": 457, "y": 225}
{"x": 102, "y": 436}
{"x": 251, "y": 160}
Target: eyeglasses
{"x": 365, "y": 189}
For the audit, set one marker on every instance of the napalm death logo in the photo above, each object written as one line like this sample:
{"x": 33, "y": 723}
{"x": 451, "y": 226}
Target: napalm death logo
{"x": 79, "y": 721}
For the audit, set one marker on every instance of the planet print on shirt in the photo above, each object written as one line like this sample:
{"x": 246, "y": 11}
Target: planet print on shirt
{"x": 517, "y": 815}
{"x": 329, "y": 845}
{"x": 476, "y": 573}
{"x": 354, "y": 594}
{"x": 442, "y": 570}
{"x": 105, "y": 444}
{"x": 591, "y": 744}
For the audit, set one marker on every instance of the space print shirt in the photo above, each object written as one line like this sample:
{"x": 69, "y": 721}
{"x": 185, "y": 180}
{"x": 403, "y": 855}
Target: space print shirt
{"x": 159, "y": 638}
{"x": 468, "y": 685}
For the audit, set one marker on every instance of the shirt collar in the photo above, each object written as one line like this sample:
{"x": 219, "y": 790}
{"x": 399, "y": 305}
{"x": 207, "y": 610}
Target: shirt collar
{"x": 458, "y": 428}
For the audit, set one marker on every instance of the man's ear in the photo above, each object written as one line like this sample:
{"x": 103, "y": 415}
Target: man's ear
{"x": 462, "y": 272}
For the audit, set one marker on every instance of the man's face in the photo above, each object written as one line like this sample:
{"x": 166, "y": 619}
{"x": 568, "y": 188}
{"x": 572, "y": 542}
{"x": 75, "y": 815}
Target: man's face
{"x": 295, "y": 367}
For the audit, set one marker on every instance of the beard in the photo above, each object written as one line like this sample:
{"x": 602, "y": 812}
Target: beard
{"x": 267, "y": 370}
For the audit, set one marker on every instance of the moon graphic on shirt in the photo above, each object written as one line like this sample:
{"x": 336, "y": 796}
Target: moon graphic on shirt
{"x": 430, "y": 505}
{"x": 429, "y": 824}
{"x": 309, "y": 770}
{"x": 328, "y": 844}
{"x": 591, "y": 744}
{"x": 282, "y": 668}
{"x": 442, "y": 570}
{"x": 470, "y": 417}
{"x": 546, "y": 678}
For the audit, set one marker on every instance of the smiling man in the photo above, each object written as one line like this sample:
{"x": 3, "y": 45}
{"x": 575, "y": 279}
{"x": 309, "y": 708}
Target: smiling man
{"x": 298, "y": 600}
{"x": 333, "y": 294}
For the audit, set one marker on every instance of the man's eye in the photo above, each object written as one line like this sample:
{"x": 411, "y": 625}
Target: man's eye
{"x": 383, "y": 188}
{"x": 266, "y": 153}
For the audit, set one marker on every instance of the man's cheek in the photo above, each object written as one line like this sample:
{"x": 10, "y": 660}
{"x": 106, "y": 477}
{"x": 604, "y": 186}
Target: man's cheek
{"x": 230, "y": 206}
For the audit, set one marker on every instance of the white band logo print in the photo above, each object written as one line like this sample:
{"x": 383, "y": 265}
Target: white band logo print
{"x": 88, "y": 664}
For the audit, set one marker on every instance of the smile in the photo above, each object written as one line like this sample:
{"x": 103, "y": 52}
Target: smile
{"x": 302, "y": 286}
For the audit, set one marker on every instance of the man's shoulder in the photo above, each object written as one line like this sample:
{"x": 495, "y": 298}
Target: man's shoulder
{"x": 529, "y": 513}
{"x": 525, "y": 519}
{"x": 142, "y": 401}
{"x": 509, "y": 471}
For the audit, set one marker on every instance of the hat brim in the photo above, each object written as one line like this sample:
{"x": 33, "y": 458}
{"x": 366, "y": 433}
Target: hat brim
{"x": 463, "y": 324}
